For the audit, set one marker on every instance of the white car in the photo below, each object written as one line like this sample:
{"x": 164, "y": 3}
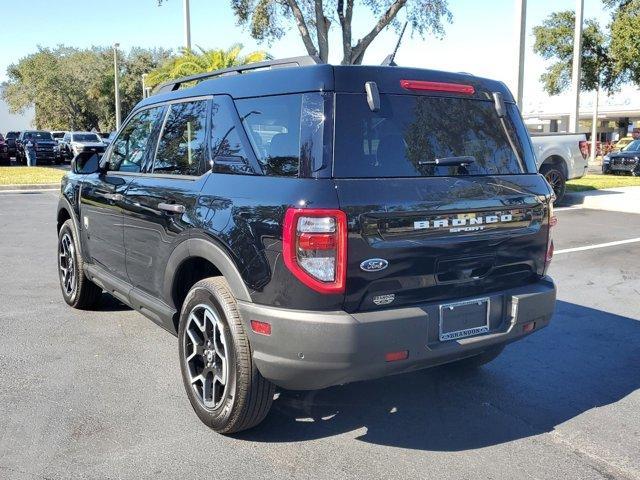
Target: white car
{"x": 560, "y": 157}
{"x": 74, "y": 143}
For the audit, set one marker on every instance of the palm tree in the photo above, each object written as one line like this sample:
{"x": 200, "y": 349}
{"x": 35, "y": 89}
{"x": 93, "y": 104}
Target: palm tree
{"x": 191, "y": 63}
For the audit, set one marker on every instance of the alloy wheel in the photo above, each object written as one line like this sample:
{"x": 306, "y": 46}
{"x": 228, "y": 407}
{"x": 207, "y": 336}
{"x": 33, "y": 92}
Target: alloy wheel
{"x": 205, "y": 351}
{"x": 67, "y": 264}
{"x": 554, "y": 179}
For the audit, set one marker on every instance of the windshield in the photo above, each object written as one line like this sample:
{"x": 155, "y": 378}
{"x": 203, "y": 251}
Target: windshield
{"x": 57, "y": 134}
{"x": 39, "y": 135}
{"x": 632, "y": 147}
{"x": 409, "y": 133}
{"x": 85, "y": 137}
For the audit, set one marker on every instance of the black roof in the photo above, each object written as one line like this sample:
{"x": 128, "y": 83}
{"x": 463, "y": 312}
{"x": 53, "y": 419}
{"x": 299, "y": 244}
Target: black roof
{"x": 324, "y": 77}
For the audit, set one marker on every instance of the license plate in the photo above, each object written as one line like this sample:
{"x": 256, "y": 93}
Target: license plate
{"x": 464, "y": 319}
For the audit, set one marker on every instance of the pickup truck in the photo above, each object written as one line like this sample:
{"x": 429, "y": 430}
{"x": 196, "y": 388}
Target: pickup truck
{"x": 560, "y": 157}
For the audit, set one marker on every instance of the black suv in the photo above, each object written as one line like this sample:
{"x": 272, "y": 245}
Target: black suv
{"x": 45, "y": 146}
{"x": 314, "y": 225}
{"x": 10, "y": 140}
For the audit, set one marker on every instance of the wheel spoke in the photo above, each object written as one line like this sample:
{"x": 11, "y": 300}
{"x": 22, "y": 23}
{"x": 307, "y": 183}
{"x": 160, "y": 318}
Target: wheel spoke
{"x": 204, "y": 347}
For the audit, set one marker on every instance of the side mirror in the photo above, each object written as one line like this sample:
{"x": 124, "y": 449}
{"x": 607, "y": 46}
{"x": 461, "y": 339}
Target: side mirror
{"x": 86, "y": 163}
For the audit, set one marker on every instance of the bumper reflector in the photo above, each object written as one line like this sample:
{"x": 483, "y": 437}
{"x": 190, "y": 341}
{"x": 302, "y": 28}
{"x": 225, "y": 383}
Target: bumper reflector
{"x": 395, "y": 356}
{"x": 262, "y": 328}
{"x": 529, "y": 327}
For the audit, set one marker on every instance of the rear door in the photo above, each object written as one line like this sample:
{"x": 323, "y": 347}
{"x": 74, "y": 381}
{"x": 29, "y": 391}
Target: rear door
{"x": 421, "y": 231}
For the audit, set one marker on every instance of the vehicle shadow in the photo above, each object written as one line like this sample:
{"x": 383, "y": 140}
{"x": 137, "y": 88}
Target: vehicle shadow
{"x": 585, "y": 359}
{"x": 109, "y": 303}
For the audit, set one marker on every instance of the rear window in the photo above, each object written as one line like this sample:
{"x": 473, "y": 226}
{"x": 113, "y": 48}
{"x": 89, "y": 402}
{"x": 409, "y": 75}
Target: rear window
{"x": 409, "y": 132}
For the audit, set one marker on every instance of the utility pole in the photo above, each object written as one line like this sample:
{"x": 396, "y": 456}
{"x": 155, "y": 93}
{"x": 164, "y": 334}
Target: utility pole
{"x": 521, "y": 32}
{"x": 594, "y": 123}
{"x": 574, "y": 116}
{"x": 187, "y": 26}
{"x": 116, "y": 83}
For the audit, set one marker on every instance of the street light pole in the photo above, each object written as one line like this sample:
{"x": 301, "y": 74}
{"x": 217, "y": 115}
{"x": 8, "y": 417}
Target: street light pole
{"x": 575, "y": 71}
{"x": 521, "y": 30}
{"x": 144, "y": 85}
{"x": 594, "y": 123}
{"x": 187, "y": 26}
{"x": 116, "y": 83}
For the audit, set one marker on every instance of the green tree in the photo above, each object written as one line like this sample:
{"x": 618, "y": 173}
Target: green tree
{"x": 611, "y": 59}
{"x": 73, "y": 89}
{"x": 269, "y": 20}
{"x": 190, "y": 63}
{"x": 554, "y": 41}
{"x": 625, "y": 39}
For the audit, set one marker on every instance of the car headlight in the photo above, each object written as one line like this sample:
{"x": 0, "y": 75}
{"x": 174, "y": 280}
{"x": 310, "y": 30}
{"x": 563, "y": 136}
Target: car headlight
{"x": 606, "y": 159}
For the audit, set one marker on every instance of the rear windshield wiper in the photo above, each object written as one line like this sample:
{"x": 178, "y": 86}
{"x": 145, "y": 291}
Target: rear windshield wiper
{"x": 450, "y": 161}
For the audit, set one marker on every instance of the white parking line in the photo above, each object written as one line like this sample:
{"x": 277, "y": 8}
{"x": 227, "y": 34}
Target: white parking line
{"x": 572, "y": 207}
{"x": 597, "y": 245}
{"x": 35, "y": 190}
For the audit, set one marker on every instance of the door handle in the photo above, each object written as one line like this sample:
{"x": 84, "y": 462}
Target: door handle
{"x": 116, "y": 197}
{"x": 171, "y": 207}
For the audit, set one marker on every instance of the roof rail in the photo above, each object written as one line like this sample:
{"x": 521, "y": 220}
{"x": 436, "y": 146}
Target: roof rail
{"x": 174, "y": 85}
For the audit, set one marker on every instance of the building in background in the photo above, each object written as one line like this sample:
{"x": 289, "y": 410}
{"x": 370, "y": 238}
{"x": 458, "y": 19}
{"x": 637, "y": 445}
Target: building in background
{"x": 11, "y": 122}
{"x": 617, "y": 114}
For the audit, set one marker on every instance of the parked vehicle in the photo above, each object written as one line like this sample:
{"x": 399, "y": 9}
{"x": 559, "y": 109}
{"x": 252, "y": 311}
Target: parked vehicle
{"x": 385, "y": 220}
{"x": 4, "y": 152}
{"x": 561, "y": 157}
{"x": 74, "y": 143}
{"x": 46, "y": 148}
{"x": 107, "y": 137}
{"x": 625, "y": 161}
{"x": 58, "y": 137}
{"x": 620, "y": 144}
{"x": 10, "y": 140}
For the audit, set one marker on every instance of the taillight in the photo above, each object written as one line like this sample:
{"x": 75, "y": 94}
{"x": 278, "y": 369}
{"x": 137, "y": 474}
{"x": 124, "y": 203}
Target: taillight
{"x": 584, "y": 148}
{"x": 437, "y": 86}
{"x": 553, "y": 221}
{"x": 314, "y": 245}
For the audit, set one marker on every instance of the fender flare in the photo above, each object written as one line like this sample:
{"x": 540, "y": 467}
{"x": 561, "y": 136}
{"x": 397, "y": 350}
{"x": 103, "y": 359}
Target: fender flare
{"x": 211, "y": 251}
{"x": 64, "y": 204}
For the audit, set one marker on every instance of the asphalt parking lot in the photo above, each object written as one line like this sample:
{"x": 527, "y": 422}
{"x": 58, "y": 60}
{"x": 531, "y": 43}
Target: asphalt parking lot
{"x": 98, "y": 394}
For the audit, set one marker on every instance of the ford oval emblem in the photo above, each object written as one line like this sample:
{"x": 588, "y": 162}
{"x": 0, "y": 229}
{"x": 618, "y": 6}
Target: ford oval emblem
{"x": 374, "y": 265}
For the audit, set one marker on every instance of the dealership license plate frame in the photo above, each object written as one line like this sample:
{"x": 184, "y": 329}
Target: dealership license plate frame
{"x": 476, "y": 330}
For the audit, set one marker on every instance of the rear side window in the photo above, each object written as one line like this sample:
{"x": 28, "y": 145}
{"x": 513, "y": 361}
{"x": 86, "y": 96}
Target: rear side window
{"x": 182, "y": 145}
{"x": 273, "y": 127}
{"x": 408, "y": 133}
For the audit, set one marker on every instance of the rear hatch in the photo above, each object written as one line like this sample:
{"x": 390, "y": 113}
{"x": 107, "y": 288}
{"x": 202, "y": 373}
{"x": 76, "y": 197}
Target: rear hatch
{"x": 420, "y": 231}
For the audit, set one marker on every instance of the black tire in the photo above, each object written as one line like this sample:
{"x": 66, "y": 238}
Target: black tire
{"x": 557, "y": 179}
{"x": 79, "y": 292}
{"x": 479, "y": 360}
{"x": 246, "y": 396}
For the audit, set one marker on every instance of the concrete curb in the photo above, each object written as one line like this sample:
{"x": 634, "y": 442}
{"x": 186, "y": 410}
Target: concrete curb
{"x": 623, "y": 199}
{"x": 40, "y": 186}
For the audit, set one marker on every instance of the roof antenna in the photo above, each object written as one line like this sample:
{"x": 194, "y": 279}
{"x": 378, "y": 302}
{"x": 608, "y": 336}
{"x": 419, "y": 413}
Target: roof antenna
{"x": 389, "y": 60}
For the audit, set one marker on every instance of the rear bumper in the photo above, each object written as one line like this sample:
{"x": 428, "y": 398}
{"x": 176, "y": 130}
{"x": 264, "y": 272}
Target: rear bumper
{"x": 311, "y": 350}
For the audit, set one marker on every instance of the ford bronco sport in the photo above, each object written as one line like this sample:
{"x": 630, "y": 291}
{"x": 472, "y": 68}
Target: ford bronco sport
{"x": 303, "y": 225}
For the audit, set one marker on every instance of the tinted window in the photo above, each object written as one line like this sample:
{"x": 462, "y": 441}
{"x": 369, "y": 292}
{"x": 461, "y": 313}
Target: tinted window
{"x": 226, "y": 139}
{"x": 273, "y": 126}
{"x": 632, "y": 147}
{"x": 181, "y": 149}
{"x": 85, "y": 137}
{"x": 410, "y": 132}
{"x": 38, "y": 135}
{"x": 129, "y": 148}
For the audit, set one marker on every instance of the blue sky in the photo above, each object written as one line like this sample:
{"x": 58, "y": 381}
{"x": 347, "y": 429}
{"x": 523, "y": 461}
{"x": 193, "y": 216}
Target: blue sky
{"x": 480, "y": 40}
